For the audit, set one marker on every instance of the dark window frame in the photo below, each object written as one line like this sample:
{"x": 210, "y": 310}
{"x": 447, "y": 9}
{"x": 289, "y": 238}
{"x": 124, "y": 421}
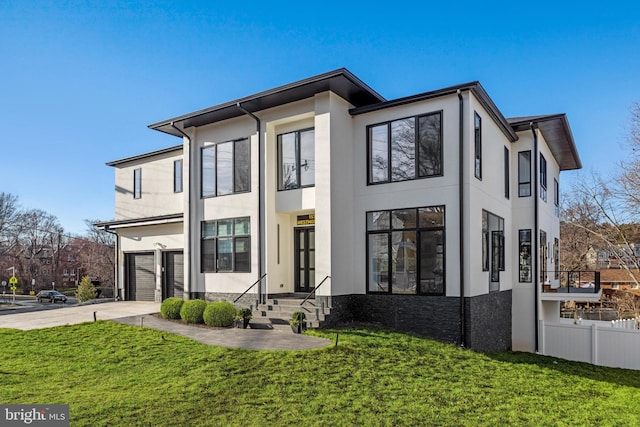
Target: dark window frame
{"x": 177, "y": 176}
{"x": 234, "y": 173}
{"x": 477, "y": 145}
{"x": 493, "y": 248}
{"x": 209, "y": 246}
{"x": 417, "y": 152}
{"x": 543, "y": 177}
{"x": 524, "y": 186}
{"x": 556, "y": 197}
{"x": 419, "y": 231}
{"x": 524, "y": 256}
{"x": 137, "y": 183}
{"x": 298, "y": 161}
{"x": 507, "y": 162}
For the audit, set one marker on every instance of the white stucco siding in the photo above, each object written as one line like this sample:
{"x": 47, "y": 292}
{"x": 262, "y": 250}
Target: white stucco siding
{"x": 158, "y": 197}
{"x": 488, "y": 194}
{"x": 236, "y": 205}
{"x": 433, "y": 191}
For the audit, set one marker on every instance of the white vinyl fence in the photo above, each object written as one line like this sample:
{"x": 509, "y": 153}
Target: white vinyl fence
{"x": 593, "y": 343}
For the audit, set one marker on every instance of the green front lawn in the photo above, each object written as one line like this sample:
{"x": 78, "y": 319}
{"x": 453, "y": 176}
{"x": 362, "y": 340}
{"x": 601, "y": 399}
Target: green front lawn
{"x": 117, "y": 375}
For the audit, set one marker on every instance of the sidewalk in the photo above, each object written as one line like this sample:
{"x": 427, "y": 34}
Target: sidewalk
{"x": 137, "y": 312}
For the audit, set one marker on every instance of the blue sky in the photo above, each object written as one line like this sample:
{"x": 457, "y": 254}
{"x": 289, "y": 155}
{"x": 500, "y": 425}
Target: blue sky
{"x": 81, "y": 80}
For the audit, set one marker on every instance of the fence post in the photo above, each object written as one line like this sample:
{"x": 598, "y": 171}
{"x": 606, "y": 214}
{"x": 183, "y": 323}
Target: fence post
{"x": 594, "y": 344}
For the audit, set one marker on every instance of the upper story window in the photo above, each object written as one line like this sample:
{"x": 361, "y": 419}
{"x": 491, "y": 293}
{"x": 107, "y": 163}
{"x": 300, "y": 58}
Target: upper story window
{"x": 506, "y": 172}
{"x": 477, "y": 138}
{"x": 405, "y": 149}
{"x": 543, "y": 178}
{"x": 177, "y": 176}
{"x": 556, "y": 197}
{"x": 137, "y": 183}
{"x": 296, "y": 159}
{"x": 226, "y": 168}
{"x": 524, "y": 174}
{"x": 493, "y": 248}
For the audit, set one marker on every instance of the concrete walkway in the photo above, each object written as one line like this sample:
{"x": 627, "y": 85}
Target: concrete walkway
{"x": 137, "y": 313}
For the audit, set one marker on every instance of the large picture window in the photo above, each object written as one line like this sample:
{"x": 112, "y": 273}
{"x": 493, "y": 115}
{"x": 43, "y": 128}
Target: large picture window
{"x": 405, "y": 149}
{"x": 226, "y": 168}
{"x": 406, "y": 251}
{"x": 226, "y": 246}
{"x": 524, "y": 174}
{"x": 296, "y": 159}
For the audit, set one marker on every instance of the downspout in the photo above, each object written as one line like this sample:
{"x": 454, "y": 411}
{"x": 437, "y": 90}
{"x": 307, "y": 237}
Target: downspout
{"x": 191, "y": 208}
{"x": 461, "y": 217}
{"x": 536, "y": 234}
{"x": 116, "y": 294}
{"x": 261, "y": 200}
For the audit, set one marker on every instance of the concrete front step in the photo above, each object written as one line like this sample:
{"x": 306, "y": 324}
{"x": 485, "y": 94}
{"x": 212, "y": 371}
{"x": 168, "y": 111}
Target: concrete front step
{"x": 278, "y": 311}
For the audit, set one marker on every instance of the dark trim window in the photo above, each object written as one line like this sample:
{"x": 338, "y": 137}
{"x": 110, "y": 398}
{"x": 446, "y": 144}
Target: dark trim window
{"x": 493, "y": 248}
{"x": 543, "y": 178}
{"x": 177, "y": 176}
{"x": 296, "y": 159}
{"x": 137, "y": 183}
{"x": 406, "y": 251}
{"x": 506, "y": 172}
{"x": 226, "y": 168}
{"x": 556, "y": 258}
{"x": 543, "y": 256}
{"x": 556, "y": 197}
{"x": 524, "y": 174}
{"x": 477, "y": 144}
{"x": 405, "y": 149}
{"x": 524, "y": 245}
{"x": 226, "y": 245}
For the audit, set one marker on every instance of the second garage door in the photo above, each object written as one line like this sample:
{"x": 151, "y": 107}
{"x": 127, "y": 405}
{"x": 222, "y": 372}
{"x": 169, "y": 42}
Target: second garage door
{"x": 141, "y": 278}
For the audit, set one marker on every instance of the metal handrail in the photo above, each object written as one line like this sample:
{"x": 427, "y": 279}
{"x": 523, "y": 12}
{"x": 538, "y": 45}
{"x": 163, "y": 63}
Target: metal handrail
{"x": 570, "y": 281}
{"x": 249, "y": 288}
{"x": 314, "y": 290}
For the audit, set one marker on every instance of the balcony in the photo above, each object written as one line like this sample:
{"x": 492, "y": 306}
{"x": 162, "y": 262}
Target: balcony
{"x": 571, "y": 285}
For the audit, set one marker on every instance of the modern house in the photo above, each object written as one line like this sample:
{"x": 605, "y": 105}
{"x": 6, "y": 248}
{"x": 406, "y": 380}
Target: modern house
{"x": 431, "y": 213}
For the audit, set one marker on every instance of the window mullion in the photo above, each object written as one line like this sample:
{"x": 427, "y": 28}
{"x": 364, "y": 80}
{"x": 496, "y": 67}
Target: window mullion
{"x": 389, "y": 159}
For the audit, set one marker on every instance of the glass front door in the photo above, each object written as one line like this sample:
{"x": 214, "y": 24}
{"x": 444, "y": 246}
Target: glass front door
{"x": 305, "y": 259}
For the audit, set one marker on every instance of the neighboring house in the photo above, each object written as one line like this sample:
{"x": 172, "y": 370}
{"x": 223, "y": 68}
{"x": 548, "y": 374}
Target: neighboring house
{"x": 431, "y": 213}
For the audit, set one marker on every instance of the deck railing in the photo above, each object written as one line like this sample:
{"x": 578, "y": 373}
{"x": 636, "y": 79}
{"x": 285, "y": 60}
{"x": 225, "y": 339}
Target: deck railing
{"x": 585, "y": 282}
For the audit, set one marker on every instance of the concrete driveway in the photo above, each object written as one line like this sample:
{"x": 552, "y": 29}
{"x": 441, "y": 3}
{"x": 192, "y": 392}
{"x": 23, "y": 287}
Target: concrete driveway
{"x": 77, "y": 314}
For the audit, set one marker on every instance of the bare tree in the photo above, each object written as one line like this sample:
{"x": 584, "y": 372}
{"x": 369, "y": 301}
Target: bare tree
{"x": 603, "y": 212}
{"x": 97, "y": 254}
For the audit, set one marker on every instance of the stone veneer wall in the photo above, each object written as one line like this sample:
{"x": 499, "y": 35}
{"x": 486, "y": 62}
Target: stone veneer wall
{"x": 488, "y": 317}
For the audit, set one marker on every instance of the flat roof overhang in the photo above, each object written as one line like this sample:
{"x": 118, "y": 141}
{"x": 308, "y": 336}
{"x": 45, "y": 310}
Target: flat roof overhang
{"x": 556, "y": 131}
{"x": 341, "y": 82}
{"x": 139, "y": 222}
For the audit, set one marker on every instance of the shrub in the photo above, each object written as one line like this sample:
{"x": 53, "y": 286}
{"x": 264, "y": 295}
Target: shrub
{"x": 86, "y": 290}
{"x": 170, "y": 308}
{"x": 220, "y": 314}
{"x": 192, "y": 311}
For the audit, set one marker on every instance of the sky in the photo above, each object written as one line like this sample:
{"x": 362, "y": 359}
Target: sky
{"x": 82, "y": 80}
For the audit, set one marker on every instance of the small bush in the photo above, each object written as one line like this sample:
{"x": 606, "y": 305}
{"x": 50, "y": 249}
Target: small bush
{"x": 192, "y": 310}
{"x": 86, "y": 290}
{"x": 220, "y": 314}
{"x": 170, "y": 308}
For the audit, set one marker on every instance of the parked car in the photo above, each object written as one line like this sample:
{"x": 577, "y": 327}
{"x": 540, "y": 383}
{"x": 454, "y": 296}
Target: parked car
{"x": 51, "y": 296}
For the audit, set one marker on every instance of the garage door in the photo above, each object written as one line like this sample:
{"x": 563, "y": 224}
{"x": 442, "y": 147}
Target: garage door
{"x": 141, "y": 278}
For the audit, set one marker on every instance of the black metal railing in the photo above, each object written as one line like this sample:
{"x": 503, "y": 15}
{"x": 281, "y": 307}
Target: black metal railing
{"x": 249, "y": 288}
{"x": 576, "y": 282}
{"x": 314, "y": 290}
